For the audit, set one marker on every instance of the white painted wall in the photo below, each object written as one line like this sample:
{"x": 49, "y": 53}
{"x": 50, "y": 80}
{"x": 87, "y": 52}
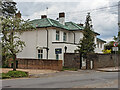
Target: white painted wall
{"x": 78, "y": 36}
{"x": 99, "y": 49}
{"x": 33, "y": 39}
{"x": 70, "y": 37}
{"x": 38, "y": 38}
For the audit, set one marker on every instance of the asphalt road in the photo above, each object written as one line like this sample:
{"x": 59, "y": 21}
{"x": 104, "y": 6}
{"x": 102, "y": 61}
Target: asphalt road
{"x": 67, "y": 79}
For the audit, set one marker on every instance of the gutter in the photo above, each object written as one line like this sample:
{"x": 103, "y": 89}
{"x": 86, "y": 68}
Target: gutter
{"x": 47, "y": 43}
{"x": 74, "y": 36}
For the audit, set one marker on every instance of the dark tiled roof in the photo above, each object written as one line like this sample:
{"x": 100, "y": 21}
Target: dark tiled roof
{"x": 100, "y": 40}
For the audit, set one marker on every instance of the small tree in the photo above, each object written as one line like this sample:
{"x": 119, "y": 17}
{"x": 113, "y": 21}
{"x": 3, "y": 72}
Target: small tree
{"x": 8, "y": 9}
{"x": 87, "y": 43}
{"x": 12, "y": 27}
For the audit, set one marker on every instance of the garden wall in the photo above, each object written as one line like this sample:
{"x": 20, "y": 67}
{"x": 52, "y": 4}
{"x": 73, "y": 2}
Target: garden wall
{"x": 39, "y": 64}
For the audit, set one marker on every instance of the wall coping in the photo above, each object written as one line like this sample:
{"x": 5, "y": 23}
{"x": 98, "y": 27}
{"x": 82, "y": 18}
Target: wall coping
{"x": 37, "y": 59}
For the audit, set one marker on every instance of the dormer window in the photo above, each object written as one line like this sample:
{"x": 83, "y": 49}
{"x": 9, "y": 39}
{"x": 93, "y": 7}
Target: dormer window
{"x": 57, "y": 35}
{"x": 64, "y": 36}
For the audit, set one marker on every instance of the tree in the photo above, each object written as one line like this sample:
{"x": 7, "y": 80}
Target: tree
{"x": 106, "y": 51}
{"x": 87, "y": 43}
{"x": 12, "y": 27}
{"x": 110, "y": 45}
{"x": 8, "y": 8}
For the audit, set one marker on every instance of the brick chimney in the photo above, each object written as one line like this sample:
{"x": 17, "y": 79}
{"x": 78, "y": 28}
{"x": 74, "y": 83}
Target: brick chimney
{"x": 43, "y": 16}
{"x": 18, "y": 15}
{"x": 62, "y": 18}
{"x": 81, "y": 24}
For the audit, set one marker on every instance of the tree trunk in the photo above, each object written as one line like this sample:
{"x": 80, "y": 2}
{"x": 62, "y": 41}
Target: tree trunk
{"x": 14, "y": 62}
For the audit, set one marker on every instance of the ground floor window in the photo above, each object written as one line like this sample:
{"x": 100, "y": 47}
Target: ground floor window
{"x": 40, "y": 54}
{"x": 57, "y": 57}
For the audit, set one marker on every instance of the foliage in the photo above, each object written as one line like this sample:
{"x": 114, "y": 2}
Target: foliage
{"x": 8, "y": 8}
{"x": 106, "y": 51}
{"x": 110, "y": 45}
{"x": 4, "y": 76}
{"x": 12, "y": 28}
{"x": 14, "y": 74}
{"x": 70, "y": 69}
{"x": 87, "y": 43}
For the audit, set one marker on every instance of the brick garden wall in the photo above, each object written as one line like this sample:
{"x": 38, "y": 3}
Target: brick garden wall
{"x": 103, "y": 60}
{"x": 39, "y": 64}
{"x": 72, "y": 60}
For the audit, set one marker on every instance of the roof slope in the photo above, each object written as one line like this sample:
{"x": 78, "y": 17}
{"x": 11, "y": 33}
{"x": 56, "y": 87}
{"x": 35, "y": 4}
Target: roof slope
{"x": 73, "y": 26}
{"x": 100, "y": 40}
{"x": 47, "y": 22}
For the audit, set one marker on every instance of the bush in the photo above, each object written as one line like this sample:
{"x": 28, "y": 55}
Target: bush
{"x": 4, "y": 76}
{"x": 14, "y": 74}
{"x": 71, "y": 69}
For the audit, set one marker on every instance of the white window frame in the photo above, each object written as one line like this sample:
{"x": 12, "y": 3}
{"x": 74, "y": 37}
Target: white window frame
{"x": 40, "y": 53}
{"x": 64, "y": 36}
{"x": 57, "y": 35}
{"x": 98, "y": 44}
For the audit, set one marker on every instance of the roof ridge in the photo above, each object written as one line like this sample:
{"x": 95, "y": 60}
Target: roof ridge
{"x": 49, "y": 21}
{"x": 75, "y": 25}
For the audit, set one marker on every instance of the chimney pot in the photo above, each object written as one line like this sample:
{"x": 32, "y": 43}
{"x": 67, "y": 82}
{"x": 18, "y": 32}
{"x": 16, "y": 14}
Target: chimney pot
{"x": 81, "y": 24}
{"x": 43, "y": 16}
{"x": 62, "y": 14}
{"x": 18, "y": 15}
{"x": 62, "y": 18}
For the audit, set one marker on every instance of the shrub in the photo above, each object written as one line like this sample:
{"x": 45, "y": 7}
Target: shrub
{"x": 106, "y": 51}
{"x": 14, "y": 74}
{"x": 71, "y": 69}
{"x": 4, "y": 76}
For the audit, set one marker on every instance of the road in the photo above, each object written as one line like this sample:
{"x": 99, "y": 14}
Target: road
{"x": 67, "y": 79}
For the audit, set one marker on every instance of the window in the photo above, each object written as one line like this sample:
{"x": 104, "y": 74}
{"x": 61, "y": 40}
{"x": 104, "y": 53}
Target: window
{"x": 57, "y": 57}
{"x": 64, "y": 36}
{"x": 98, "y": 45}
{"x": 40, "y": 54}
{"x": 57, "y": 35}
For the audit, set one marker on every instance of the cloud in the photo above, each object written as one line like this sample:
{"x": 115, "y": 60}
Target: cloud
{"x": 104, "y": 20}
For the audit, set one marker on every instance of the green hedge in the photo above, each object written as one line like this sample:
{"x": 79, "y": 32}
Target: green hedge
{"x": 14, "y": 74}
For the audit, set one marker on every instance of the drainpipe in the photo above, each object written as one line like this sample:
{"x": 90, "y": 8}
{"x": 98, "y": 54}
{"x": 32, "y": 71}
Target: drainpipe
{"x": 74, "y": 36}
{"x": 47, "y": 43}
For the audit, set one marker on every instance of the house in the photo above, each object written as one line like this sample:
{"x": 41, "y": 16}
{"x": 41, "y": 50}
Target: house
{"x": 51, "y": 39}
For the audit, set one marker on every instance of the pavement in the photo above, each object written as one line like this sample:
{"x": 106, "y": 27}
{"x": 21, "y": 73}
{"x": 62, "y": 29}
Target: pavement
{"x": 110, "y": 69}
{"x": 31, "y": 71}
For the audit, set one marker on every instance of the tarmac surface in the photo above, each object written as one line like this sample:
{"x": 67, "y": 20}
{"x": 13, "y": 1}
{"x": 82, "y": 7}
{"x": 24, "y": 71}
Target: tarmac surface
{"x": 67, "y": 79}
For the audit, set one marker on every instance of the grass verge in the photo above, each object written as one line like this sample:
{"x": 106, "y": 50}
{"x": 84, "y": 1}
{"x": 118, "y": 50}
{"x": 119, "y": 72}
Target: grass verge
{"x": 14, "y": 74}
{"x": 70, "y": 69}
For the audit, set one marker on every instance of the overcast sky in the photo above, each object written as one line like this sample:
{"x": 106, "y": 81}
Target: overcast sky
{"x": 104, "y": 20}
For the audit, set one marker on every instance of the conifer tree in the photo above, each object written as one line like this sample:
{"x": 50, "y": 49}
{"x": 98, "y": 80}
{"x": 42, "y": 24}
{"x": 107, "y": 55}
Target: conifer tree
{"x": 87, "y": 43}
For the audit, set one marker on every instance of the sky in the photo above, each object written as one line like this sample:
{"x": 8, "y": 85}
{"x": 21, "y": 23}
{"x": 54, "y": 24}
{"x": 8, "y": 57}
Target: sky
{"x": 105, "y": 21}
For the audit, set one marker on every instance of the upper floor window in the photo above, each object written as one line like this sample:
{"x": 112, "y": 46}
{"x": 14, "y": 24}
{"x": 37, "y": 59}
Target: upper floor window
{"x": 40, "y": 54}
{"x": 64, "y": 36}
{"x": 100, "y": 45}
{"x": 97, "y": 44}
{"x": 57, "y": 35}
